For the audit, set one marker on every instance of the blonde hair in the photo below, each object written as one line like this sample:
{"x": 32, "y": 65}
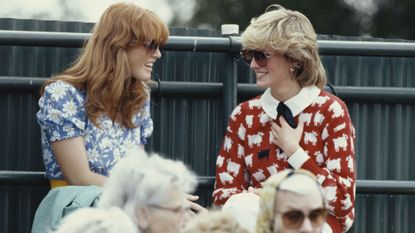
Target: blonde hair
{"x": 102, "y": 68}
{"x": 269, "y": 192}
{"x": 213, "y": 221}
{"x": 291, "y": 34}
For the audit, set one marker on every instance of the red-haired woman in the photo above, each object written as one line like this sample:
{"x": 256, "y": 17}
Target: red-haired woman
{"x": 95, "y": 111}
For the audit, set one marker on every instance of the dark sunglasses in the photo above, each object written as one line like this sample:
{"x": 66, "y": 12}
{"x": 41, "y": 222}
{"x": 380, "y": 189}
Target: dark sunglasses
{"x": 259, "y": 56}
{"x": 151, "y": 46}
{"x": 294, "y": 219}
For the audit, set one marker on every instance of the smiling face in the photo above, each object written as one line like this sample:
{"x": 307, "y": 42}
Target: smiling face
{"x": 275, "y": 73}
{"x": 141, "y": 61}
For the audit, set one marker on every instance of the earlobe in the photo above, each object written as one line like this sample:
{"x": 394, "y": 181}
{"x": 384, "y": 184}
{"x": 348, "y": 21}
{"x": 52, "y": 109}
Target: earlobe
{"x": 143, "y": 218}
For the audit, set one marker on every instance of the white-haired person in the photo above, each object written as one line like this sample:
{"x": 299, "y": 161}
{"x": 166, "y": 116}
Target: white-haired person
{"x": 214, "y": 221}
{"x": 152, "y": 190}
{"x": 292, "y": 201}
{"x": 295, "y": 123}
{"x": 93, "y": 220}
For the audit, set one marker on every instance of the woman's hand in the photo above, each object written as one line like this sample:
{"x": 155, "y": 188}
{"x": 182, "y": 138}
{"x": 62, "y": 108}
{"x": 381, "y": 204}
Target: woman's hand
{"x": 285, "y": 137}
{"x": 196, "y": 208}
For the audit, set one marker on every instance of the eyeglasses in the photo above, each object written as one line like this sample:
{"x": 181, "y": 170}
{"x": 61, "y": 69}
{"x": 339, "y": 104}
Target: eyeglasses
{"x": 177, "y": 210}
{"x": 259, "y": 56}
{"x": 294, "y": 218}
{"x": 151, "y": 46}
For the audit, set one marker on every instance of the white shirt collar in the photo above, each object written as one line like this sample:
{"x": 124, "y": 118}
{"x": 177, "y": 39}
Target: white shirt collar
{"x": 296, "y": 103}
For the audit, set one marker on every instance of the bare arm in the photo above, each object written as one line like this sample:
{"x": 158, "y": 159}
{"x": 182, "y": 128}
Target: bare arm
{"x": 72, "y": 159}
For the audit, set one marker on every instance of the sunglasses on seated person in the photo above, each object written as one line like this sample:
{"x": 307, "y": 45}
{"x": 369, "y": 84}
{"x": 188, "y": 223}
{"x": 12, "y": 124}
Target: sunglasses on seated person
{"x": 259, "y": 56}
{"x": 293, "y": 219}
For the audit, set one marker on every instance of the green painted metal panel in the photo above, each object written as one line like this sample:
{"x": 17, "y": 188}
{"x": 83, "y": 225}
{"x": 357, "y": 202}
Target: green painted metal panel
{"x": 190, "y": 128}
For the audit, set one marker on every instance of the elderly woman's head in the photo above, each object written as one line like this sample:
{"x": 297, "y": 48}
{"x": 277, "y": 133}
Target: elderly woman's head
{"x": 214, "y": 222}
{"x": 290, "y": 35}
{"x": 93, "y": 220}
{"x": 152, "y": 190}
{"x": 292, "y": 201}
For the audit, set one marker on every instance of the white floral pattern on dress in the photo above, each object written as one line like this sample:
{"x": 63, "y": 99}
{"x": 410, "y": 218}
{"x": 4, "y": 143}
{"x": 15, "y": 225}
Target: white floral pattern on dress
{"x": 62, "y": 115}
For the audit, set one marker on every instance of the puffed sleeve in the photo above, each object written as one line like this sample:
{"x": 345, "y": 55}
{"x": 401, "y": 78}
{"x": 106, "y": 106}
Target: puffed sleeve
{"x": 61, "y": 112}
{"x": 146, "y": 123}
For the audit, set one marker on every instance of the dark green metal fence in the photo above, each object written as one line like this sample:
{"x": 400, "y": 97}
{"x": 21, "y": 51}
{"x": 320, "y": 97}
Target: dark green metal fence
{"x": 198, "y": 81}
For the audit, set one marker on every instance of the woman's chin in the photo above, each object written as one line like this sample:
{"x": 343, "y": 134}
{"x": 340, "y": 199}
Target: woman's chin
{"x": 261, "y": 84}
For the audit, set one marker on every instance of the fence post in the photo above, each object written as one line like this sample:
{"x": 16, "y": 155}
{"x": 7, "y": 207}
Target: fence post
{"x": 230, "y": 80}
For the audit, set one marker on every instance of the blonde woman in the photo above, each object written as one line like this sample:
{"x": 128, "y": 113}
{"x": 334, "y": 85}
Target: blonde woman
{"x": 294, "y": 123}
{"x": 97, "y": 109}
{"x": 292, "y": 201}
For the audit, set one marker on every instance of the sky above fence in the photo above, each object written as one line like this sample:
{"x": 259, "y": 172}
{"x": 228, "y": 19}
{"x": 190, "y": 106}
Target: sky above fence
{"x": 90, "y": 10}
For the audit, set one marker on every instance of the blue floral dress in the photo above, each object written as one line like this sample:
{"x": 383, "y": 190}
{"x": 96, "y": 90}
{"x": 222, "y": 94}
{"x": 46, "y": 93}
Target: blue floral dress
{"x": 62, "y": 116}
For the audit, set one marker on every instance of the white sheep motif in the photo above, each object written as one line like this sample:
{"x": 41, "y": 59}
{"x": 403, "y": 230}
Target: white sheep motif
{"x": 318, "y": 119}
{"x": 255, "y": 139}
{"x": 320, "y": 100}
{"x": 233, "y": 168}
{"x": 336, "y": 109}
{"x": 310, "y": 137}
{"x": 225, "y": 178}
{"x": 346, "y": 182}
{"x": 227, "y": 145}
{"x": 235, "y": 112}
{"x": 350, "y": 163}
{"x": 248, "y": 160}
{"x": 340, "y": 142}
{"x": 334, "y": 164}
{"x": 346, "y": 203}
{"x": 241, "y": 132}
{"x": 241, "y": 151}
{"x": 339, "y": 127}
{"x": 348, "y": 223}
{"x": 219, "y": 161}
{"x": 249, "y": 120}
{"x": 306, "y": 118}
{"x": 319, "y": 157}
{"x": 259, "y": 175}
{"x": 330, "y": 192}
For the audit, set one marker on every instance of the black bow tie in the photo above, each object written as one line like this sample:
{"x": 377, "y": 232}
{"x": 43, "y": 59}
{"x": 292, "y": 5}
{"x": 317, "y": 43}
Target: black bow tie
{"x": 285, "y": 111}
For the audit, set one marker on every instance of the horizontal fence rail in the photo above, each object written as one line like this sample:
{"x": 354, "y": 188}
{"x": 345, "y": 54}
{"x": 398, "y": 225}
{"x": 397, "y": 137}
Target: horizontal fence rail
{"x": 362, "y": 186}
{"x": 161, "y": 88}
{"x": 210, "y": 44}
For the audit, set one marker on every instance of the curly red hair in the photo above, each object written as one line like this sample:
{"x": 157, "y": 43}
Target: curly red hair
{"x": 102, "y": 68}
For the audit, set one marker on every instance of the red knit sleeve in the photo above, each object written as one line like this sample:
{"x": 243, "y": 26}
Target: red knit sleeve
{"x": 230, "y": 164}
{"x": 338, "y": 174}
